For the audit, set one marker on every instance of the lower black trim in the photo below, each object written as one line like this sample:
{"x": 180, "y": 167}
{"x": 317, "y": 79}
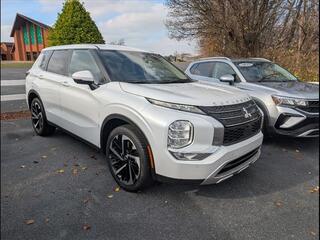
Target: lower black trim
{"x": 165, "y": 179}
{"x": 75, "y": 136}
{"x": 311, "y": 122}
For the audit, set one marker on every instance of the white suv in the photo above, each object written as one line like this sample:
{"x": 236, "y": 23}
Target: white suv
{"x": 150, "y": 119}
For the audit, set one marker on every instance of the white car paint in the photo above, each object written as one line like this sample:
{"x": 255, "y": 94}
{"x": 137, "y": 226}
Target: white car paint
{"x": 82, "y": 111}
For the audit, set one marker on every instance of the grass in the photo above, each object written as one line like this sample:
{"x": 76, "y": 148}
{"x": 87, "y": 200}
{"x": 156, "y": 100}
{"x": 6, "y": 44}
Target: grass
{"x": 16, "y": 64}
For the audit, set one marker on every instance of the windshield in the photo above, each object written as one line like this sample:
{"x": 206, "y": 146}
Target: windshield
{"x": 264, "y": 72}
{"x": 140, "y": 67}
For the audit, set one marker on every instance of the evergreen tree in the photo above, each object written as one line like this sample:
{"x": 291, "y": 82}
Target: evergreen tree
{"x": 74, "y": 25}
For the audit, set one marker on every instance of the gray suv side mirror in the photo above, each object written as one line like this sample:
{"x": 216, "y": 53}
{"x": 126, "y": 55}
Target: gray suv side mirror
{"x": 227, "y": 78}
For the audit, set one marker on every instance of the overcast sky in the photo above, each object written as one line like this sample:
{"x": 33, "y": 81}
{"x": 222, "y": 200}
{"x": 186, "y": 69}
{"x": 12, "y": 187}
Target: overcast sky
{"x": 139, "y": 22}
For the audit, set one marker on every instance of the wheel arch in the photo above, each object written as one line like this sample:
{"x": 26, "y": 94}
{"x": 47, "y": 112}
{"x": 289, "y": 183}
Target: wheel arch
{"x": 31, "y": 95}
{"x": 111, "y": 122}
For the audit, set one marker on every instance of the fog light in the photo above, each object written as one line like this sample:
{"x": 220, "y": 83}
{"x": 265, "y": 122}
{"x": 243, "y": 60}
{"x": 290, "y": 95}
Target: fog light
{"x": 180, "y": 134}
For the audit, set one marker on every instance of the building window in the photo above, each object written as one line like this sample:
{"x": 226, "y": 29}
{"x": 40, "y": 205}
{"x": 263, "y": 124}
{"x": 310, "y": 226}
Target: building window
{"x": 25, "y": 35}
{"x": 32, "y": 33}
{"x": 39, "y": 35}
{"x": 28, "y": 56}
{"x": 34, "y": 55}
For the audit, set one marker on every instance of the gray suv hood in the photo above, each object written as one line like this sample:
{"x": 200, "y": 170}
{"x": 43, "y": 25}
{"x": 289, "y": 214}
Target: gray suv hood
{"x": 294, "y": 89}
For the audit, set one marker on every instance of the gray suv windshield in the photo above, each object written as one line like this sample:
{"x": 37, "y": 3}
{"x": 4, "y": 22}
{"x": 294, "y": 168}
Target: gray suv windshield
{"x": 264, "y": 72}
{"x": 140, "y": 67}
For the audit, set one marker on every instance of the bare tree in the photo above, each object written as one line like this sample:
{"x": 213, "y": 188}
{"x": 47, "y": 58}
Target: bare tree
{"x": 248, "y": 27}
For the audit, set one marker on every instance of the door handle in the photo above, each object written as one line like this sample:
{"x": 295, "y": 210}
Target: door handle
{"x": 66, "y": 84}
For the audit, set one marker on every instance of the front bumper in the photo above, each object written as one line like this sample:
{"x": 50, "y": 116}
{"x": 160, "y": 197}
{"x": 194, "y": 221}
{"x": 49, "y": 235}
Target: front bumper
{"x": 297, "y": 123}
{"x": 222, "y": 164}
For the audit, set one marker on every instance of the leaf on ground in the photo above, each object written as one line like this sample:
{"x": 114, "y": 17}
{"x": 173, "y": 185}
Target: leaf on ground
{"x": 110, "y": 196}
{"x": 35, "y": 162}
{"x": 22, "y": 166}
{"x": 278, "y": 204}
{"x": 76, "y": 165}
{"x": 297, "y": 150}
{"x": 315, "y": 189}
{"x": 29, "y": 221}
{"x": 117, "y": 189}
{"x": 46, "y": 220}
{"x": 86, "y": 200}
{"x": 74, "y": 171}
{"x": 84, "y": 168}
{"x": 313, "y": 233}
{"x": 86, "y": 227}
{"x": 44, "y": 156}
{"x": 53, "y": 149}
{"x": 60, "y": 171}
{"x": 93, "y": 157}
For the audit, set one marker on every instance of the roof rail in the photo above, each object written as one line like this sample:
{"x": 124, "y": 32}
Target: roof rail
{"x": 264, "y": 59}
{"x": 208, "y": 58}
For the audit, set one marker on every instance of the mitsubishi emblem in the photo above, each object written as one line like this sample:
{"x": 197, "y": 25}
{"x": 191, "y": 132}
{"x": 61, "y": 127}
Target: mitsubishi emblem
{"x": 246, "y": 113}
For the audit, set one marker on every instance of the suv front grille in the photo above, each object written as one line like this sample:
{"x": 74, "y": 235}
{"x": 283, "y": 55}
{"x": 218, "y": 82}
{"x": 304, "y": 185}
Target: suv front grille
{"x": 241, "y": 121}
{"x": 313, "y": 107}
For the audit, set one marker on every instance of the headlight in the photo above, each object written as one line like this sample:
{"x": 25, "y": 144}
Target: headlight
{"x": 181, "y": 107}
{"x": 278, "y": 100}
{"x": 180, "y": 134}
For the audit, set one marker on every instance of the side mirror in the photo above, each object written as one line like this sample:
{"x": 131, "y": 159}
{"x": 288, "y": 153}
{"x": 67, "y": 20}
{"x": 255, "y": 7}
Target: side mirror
{"x": 227, "y": 78}
{"x": 83, "y": 77}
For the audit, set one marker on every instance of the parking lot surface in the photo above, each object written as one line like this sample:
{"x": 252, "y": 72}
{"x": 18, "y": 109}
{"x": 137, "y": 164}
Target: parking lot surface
{"x": 60, "y": 188}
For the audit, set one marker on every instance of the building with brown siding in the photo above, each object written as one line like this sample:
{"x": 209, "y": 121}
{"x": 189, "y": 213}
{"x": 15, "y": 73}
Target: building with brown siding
{"x": 30, "y": 37}
{"x": 6, "y": 51}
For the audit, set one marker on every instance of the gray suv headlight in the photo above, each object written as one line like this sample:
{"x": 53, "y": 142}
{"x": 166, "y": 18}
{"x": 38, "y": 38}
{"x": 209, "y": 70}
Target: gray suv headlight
{"x": 176, "y": 106}
{"x": 280, "y": 100}
{"x": 180, "y": 134}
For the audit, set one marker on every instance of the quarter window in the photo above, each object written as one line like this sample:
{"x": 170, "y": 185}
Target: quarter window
{"x": 203, "y": 69}
{"x": 82, "y": 60}
{"x": 45, "y": 59}
{"x": 58, "y": 62}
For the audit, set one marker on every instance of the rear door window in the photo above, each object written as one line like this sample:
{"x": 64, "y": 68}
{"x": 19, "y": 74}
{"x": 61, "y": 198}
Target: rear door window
{"x": 58, "y": 62}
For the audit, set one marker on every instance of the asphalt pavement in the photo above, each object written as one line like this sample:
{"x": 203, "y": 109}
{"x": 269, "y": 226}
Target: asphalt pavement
{"x": 60, "y": 188}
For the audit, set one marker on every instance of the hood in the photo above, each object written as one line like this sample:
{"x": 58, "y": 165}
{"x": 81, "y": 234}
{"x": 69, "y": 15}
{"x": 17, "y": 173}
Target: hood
{"x": 294, "y": 89}
{"x": 195, "y": 93}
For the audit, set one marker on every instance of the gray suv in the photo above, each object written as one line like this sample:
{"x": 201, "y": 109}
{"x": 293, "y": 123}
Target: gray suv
{"x": 291, "y": 107}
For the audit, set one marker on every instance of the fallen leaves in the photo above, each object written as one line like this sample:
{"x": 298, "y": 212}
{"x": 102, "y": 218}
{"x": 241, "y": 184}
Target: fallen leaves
{"x": 22, "y": 166}
{"x": 74, "y": 171}
{"x": 29, "y": 221}
{"x": 278, "y": 204}
{"x": 314, "y": 189}
{"x": 44, "y": 157}
{"x": 60, "y": 171}
{"x": 35, "y": 162}
{"x": 86, "y": 227}
{"x": 110, "y": 196}
{"x": 313, "y": 233}
{"x": 117, "y": 189}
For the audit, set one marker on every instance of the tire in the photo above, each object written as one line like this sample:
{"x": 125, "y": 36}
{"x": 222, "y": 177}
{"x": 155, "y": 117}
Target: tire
{"x": 128, "y": 159}
{"x": 39, "y": 119}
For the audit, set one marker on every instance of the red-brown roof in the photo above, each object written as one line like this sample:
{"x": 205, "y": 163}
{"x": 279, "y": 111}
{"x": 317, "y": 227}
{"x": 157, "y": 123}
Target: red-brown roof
{"x": 21, "y": 18}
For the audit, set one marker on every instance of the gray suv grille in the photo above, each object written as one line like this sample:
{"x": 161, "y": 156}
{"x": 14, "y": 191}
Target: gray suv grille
{"x": 241, "y": 121}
